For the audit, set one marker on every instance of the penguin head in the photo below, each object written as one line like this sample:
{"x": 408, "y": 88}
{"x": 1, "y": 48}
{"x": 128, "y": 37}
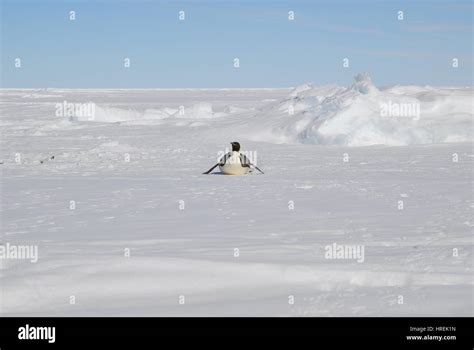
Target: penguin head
{"x": 235, "y": 146}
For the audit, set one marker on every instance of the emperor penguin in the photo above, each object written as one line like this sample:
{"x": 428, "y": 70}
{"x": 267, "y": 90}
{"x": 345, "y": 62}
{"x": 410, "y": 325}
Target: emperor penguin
{"x": 234, "y": 163}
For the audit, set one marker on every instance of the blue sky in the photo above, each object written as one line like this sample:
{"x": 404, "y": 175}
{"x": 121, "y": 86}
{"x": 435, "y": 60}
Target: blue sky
{"x": 199, "y": 52}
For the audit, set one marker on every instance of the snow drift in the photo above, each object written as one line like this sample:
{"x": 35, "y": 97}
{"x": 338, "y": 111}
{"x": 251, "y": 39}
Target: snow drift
{"x": 106, "y": 114}
{"x": 363, "y": 115}
{"x": 359, "y": 115}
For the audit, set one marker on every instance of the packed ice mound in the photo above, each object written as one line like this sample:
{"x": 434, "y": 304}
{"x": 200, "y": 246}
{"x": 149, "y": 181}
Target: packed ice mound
{"x": 362, "y": 115}
{"x": 363, "y": 84}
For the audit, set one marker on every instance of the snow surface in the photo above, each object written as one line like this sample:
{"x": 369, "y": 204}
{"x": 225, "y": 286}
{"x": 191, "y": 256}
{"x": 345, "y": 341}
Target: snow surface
{"x": 190, "y": 251}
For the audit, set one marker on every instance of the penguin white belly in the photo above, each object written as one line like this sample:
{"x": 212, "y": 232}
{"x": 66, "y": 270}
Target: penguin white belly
{"x": 233, "y": 169}
{"x": 233, "y": 166}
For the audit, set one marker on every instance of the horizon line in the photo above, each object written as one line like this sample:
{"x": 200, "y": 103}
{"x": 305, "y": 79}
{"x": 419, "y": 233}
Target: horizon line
{"x": 224, "y": 88}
